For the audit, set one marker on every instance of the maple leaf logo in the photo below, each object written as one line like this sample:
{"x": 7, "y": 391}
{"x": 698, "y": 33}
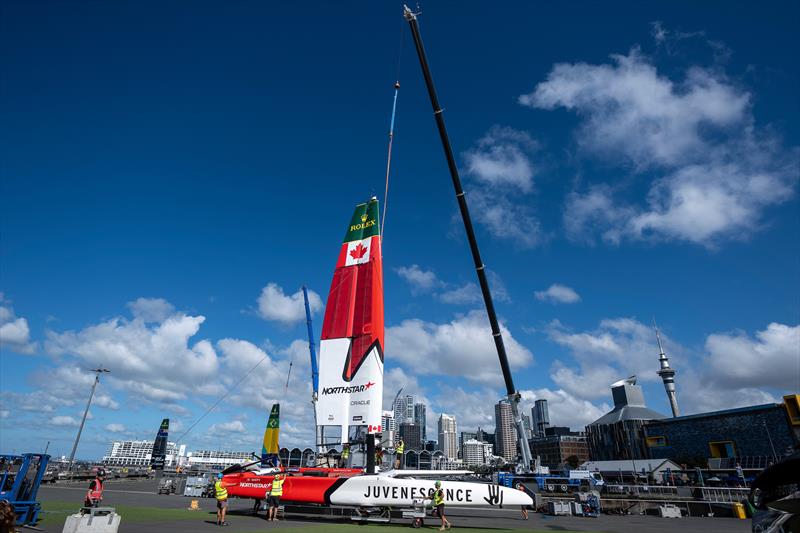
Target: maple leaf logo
{"x": 359, "y": 251}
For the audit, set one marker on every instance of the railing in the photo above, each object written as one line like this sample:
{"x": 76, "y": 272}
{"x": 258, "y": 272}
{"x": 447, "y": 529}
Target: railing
{"x": 724, "y": 494}
{"x": 643, "y": 490}
{"x": 747, "y": 462}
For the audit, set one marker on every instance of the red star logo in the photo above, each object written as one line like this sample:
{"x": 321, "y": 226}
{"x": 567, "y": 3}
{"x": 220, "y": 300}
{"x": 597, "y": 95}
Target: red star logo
{"x": 369, "y": 384}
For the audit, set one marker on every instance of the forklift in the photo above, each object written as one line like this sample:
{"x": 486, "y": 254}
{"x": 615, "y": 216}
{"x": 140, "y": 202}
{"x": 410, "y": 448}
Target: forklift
{"x": 20, "y": 477}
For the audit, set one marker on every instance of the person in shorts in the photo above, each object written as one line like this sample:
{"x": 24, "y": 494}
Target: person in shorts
{"x": 221, "y": 494}
{"x": 274, "y": 496}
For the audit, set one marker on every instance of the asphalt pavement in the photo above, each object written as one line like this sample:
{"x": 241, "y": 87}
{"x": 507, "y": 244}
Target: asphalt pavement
{"x": 141, "y": 494}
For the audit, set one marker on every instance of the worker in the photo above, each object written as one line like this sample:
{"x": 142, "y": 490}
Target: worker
{"x": 221, "y": 494}
{"x": 520, "y": 487}
{"x": 398, "y": 454}
{"x": 275, "y": 493}
{"x": 438, "y": 505}
{"x": 345, "y": 455}
{"x": 378, "y": 455}
{"x": 94, "y": 496}
{"x": 8, "y": 517}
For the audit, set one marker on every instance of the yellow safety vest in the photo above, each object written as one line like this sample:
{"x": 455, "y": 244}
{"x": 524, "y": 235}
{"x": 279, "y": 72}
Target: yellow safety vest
{"x": 345, "y": 453}
{"x": 222, "y": 492}
{"x": 438, "y": 497}
{"x": 400, "y": 448}
{"x": 277, "y": 486}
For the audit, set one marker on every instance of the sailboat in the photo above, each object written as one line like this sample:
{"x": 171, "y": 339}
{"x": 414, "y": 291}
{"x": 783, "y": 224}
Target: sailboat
{"x": 350, "y": 397}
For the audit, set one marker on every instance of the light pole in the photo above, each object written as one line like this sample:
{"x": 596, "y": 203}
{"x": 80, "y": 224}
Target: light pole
{"x": 97, "y": 372}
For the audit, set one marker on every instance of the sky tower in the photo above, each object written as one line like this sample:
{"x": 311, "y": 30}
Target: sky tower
{"x": 667, "y": 374}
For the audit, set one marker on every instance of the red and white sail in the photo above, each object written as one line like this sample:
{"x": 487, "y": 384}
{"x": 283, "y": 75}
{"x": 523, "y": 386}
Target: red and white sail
{"x": 351, "y": 350}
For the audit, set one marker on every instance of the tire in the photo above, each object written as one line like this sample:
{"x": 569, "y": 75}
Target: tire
{"x": 563, "y": 488}
{"x": 550, "y": 488}
{"x": 417, "y": 523}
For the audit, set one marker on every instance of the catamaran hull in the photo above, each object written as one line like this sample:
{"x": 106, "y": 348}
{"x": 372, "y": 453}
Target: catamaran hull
{"x": 376, "y": 491}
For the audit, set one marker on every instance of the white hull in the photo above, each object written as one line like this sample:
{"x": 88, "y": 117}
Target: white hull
{"x": 385, "y": 491}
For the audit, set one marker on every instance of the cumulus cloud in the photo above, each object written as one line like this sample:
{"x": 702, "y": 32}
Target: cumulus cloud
{"x": 419, "y": 279}
{"x": 115, "y": 428}
{"x": 223, "y": 428}
{"x": 461, "y": 347}
{"x": 715, "y": 171}
{"x": 64, "y": 421}
{"x": 151, "y": 309}
{"x": 501, "y": 171}
{"x": 155, "y": 361}
{"x": 273, "y": 304}
{"x": 565, "y": 408}
{"x": 770, "y": 359}
{"x": 617, "y": 348}
{"x": 65, "y": 384}
{"x": 14, "y": 331}
{"x": 558, "y": 294}
{"x": 736, "y": 369}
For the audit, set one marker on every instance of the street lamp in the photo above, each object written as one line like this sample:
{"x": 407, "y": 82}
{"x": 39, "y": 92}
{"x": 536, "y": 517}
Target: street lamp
{"x": 97, "y": 372}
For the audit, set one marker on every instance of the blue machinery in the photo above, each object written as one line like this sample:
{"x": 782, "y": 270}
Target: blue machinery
{"x": 20, "y": 477}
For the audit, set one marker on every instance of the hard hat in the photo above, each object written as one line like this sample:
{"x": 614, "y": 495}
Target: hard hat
{"x": 438, "y": 484}
{"x": 219, "y": 476}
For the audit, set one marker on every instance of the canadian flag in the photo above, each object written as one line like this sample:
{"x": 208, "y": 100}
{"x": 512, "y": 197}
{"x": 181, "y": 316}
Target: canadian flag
{"x": 357, "y": 252}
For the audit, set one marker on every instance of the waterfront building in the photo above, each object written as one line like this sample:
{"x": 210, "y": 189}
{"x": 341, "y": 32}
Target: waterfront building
{"x": 139, "y": 452}
{"x": 217, "y": 459}
{"x": 558, "y": 448}
{"x": 619, "y": 434}
{"x": 476, "y": 453}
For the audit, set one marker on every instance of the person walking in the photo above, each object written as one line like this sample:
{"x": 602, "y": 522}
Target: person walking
{"x": 398, "y": 454}
{"x": 275, "y": 493}
{"x": 94, "y": 496}
{"x": 438, "y": 505}
{"x": 221, "y": 494}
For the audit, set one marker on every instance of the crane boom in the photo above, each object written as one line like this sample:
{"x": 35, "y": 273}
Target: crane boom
{"x": 438, "y": 113}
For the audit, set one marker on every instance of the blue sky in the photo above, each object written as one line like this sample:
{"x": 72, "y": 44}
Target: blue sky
{"x": 172, "y": 174}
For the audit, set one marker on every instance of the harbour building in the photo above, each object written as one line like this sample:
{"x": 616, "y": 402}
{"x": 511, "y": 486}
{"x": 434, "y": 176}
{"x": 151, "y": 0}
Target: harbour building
{"x": 559, "y": 447}
{"x": 139, "y": 452}
{"x": 620, "y": 433}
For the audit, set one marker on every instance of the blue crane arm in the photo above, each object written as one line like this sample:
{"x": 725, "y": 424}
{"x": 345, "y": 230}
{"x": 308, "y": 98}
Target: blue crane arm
{"x": 311, "y": 349}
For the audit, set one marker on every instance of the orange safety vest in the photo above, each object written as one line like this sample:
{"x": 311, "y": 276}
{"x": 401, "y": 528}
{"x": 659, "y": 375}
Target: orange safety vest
{"x": 97, "y": 492}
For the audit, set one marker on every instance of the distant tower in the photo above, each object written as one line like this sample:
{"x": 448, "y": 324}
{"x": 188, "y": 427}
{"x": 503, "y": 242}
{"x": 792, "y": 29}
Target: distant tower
{"x": 667, "y": 374}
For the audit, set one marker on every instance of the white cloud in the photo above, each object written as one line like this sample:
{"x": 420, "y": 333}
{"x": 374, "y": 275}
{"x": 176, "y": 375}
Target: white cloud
{"x": 501, "y": 158}
{"x": 564, "y": 408}
{"x": 64, "y": 421}
{"x": 466, "y": 294}
{"x": 771, "y": 359}
{"x": 462, "y": 347}
{"x": 616, "y": 349}
{"x": 153, "y": 360}
{"x": 419, "y": 279}
{"x": 5, "y": 413}
{"x": 151, "y": 309}
{"x": 273, "y": 304}
{"x": 14, "y": 332}
{"x": 558, "y": 294}
{"x": 716, "y": 173}
{"x": 501, "y": 172}
{"x": 223, "y": 428}
{"x": 115, "y": 428}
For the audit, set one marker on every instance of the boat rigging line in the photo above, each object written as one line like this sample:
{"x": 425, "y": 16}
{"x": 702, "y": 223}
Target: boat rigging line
{"x": 391, "y": 132}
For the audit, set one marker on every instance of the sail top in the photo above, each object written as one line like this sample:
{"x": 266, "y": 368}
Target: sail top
{"x": 365, "y": 222}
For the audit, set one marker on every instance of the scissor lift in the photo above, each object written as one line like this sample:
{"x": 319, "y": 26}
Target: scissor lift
{"x": 20, "y": 477}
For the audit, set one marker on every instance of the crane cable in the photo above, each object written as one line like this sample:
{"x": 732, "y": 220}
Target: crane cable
{"x": 391, "y": 133}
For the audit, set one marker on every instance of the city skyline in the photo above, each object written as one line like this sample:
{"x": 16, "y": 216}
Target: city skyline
{"x": 171, "y": 190}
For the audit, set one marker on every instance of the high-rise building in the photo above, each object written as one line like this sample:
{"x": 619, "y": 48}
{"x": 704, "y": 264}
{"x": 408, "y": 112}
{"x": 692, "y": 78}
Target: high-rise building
{"x": 559, "y": 447}
{"x": 485, "y": 436}
{"x": 505, "y": 434}
{"x": 448, "y": 441}
{"x": 388, "y": 427}
{"x": 541, "y": 418}
{"x": 404, "y": 410}
{"x": 526, "y": 423}
{"x": 464, "y": 436}
{"x": 412, "y": 438}
{"x": 419, "y": 419}
{"x": 475, "y": 453}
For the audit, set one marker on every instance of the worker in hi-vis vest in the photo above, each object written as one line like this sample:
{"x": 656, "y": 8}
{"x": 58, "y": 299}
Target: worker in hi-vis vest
{"x": 95, "y": 493}
{"x": 221, "y": 494}
{"x": 398, "y": 454}
{"x": 274, "y": 496}
{"x": 438, "y": 505}
{"x": 345, "y": 455}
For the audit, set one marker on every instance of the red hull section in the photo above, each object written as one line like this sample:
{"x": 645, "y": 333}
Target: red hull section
{"x": 302, "y": 485}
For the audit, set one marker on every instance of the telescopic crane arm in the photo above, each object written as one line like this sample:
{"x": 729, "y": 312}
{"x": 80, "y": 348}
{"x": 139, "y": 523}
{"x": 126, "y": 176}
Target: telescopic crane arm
{"x": 512, "y": 394}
